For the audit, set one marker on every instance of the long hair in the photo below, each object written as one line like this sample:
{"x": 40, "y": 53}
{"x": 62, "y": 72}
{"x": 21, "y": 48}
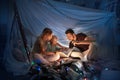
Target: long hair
{"x": 46, "y": 31}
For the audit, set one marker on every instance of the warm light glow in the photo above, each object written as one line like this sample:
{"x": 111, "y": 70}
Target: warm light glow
{"x": 85, "y": 79}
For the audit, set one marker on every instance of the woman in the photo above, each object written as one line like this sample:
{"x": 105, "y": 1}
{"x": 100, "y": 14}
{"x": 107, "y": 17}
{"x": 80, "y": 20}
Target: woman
{"x": 40, "y": 46}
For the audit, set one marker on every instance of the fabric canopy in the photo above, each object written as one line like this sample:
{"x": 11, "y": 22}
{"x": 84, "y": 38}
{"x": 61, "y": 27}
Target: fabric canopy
{"x": 37, "y": 14}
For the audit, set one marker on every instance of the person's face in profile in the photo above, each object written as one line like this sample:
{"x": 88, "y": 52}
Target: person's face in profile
{"x": 54, "y": 41}
{"x": 70, "y": 36}
{"x": 49, "y": 37}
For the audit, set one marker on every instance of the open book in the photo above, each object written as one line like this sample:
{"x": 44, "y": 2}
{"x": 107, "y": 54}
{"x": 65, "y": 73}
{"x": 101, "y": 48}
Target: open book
{"x": 68, "y": 52}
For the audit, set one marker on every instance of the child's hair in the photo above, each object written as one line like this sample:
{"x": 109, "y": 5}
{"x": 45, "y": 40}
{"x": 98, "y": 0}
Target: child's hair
{"x": 53, "y": 37}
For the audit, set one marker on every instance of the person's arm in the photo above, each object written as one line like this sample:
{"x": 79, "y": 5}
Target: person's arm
{"x": 41, "y": 58}
{"x": 59, "y": 45}
{"x": 62, "y": 48}
{"x": 47, "y": 53}
{"x": 87, "y": 40}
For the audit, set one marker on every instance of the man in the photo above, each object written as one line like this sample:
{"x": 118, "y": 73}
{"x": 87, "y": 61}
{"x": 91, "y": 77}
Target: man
{"x": 80, "y": 40}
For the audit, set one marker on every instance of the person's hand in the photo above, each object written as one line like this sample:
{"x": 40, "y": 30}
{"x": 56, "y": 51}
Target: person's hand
{"x": 63, "y": 48}
{"x": 74, "y": 43}
{"x": 56, "y": 63}
{"x": 49, "y": 64}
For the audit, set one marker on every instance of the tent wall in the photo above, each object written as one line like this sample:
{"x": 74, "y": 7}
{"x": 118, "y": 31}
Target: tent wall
{"x": 37, "y": 14}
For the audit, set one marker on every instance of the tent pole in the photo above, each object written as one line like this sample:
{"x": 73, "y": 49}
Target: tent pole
{"x": 22, "y": 32}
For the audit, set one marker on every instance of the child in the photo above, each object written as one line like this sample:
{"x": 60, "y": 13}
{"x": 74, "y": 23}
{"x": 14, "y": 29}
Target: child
{"x": 55, "y": 47}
